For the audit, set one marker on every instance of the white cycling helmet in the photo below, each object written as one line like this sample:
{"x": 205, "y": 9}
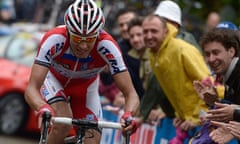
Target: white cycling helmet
{"x": 169, "y": 10}
{"x": 84, "y": 17}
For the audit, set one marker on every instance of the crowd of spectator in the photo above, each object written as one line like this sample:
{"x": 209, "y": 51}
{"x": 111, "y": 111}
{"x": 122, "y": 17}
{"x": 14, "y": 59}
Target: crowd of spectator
{"x": 173, "y": 94}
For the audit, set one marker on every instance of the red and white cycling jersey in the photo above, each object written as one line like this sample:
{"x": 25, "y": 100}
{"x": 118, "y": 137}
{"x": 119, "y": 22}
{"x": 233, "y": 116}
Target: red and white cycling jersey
{"x": 77, "y": 77}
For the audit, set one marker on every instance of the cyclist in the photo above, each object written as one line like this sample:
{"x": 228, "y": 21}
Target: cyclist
{"x": 66, "y": 70}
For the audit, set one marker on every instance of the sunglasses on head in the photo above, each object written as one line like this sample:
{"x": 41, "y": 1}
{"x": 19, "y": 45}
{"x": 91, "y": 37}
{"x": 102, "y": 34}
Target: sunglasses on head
{"x": 77, "y": 38}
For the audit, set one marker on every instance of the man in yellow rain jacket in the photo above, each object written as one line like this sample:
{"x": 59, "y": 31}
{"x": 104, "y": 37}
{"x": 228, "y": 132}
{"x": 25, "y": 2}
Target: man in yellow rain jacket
{"x": 176, "y": 64}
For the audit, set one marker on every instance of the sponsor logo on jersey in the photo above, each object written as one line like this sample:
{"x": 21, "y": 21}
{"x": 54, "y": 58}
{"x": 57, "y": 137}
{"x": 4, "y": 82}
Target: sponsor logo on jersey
{"x": 44, "y": 91}
{"x": 110, "y": 57}
{"x": 54, "y": 50}
{"x": 47, "y": 56}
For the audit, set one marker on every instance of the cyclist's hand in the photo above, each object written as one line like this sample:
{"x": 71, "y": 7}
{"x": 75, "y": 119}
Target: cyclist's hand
{"x": 42, "y": 109}
{"x": 129, "y": 123}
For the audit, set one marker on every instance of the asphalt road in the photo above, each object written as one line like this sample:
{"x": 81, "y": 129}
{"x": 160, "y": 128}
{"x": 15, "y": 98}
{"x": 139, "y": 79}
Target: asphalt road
{"x": 24, "y": 139}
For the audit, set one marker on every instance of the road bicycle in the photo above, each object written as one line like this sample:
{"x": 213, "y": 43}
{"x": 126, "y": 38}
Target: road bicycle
{"x": 81, "y": 124}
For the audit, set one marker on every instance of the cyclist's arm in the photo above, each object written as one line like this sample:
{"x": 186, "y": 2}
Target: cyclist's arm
{"x": 32, "y": 93}
{"x": 124, "y": 83}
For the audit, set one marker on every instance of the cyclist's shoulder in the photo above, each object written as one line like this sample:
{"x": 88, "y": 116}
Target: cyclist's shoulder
{"x": 57, "y": 32}
{"x": 106, "y": 41}
{"x": 55, "y": 36}
{"x": 55, "y": 41}
{"x": 103, "y": 35}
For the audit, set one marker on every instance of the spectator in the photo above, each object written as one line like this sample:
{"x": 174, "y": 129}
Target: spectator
{"x": 221, "y": 50}
{"x": 139, "y": 52}
{"x": 226, "y": 42}
{"x": 154, "y": 95}
{"x": 138, "y": 49}
{"x": 124, "y": 16}
{"x": 172, "y": 13}
{"x": 7, "y": 17}
{"x": 7, "y": 11}
{"x": 213, "y": 19}
{"x": 176, "y": 81}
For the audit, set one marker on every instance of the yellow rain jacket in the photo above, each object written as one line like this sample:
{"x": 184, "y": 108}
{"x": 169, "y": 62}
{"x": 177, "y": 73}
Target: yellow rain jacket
{"x": 176, "y": 65}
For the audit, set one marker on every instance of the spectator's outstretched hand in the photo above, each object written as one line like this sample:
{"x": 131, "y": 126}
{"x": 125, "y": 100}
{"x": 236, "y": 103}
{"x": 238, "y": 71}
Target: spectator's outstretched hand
{"x": 206, "y": 91}
{"x": 198, "y": 88}
{"x": 187, "y": 125}
{"x": 156, "y": 116}
{"x": 234, "y": 128}
{"x": 222, "y": 134}
{"x": 222, "y": 112}
{"x": 177, "y": 122}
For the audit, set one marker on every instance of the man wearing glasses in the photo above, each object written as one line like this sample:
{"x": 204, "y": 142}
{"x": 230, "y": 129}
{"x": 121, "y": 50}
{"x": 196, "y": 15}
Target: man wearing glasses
{"x": 66, "y": 70}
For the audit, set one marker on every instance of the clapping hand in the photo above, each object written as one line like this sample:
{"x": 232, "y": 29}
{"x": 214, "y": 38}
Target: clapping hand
{"x": 206, "y": 91}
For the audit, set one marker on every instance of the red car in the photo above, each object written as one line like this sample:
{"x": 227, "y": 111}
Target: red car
{"x": 17, "y": 54}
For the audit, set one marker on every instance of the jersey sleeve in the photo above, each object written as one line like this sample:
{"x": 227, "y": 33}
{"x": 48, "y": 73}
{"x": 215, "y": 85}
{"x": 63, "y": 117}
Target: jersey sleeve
{"x": 50, "y": 46}
{"x": 111, "y": 53}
